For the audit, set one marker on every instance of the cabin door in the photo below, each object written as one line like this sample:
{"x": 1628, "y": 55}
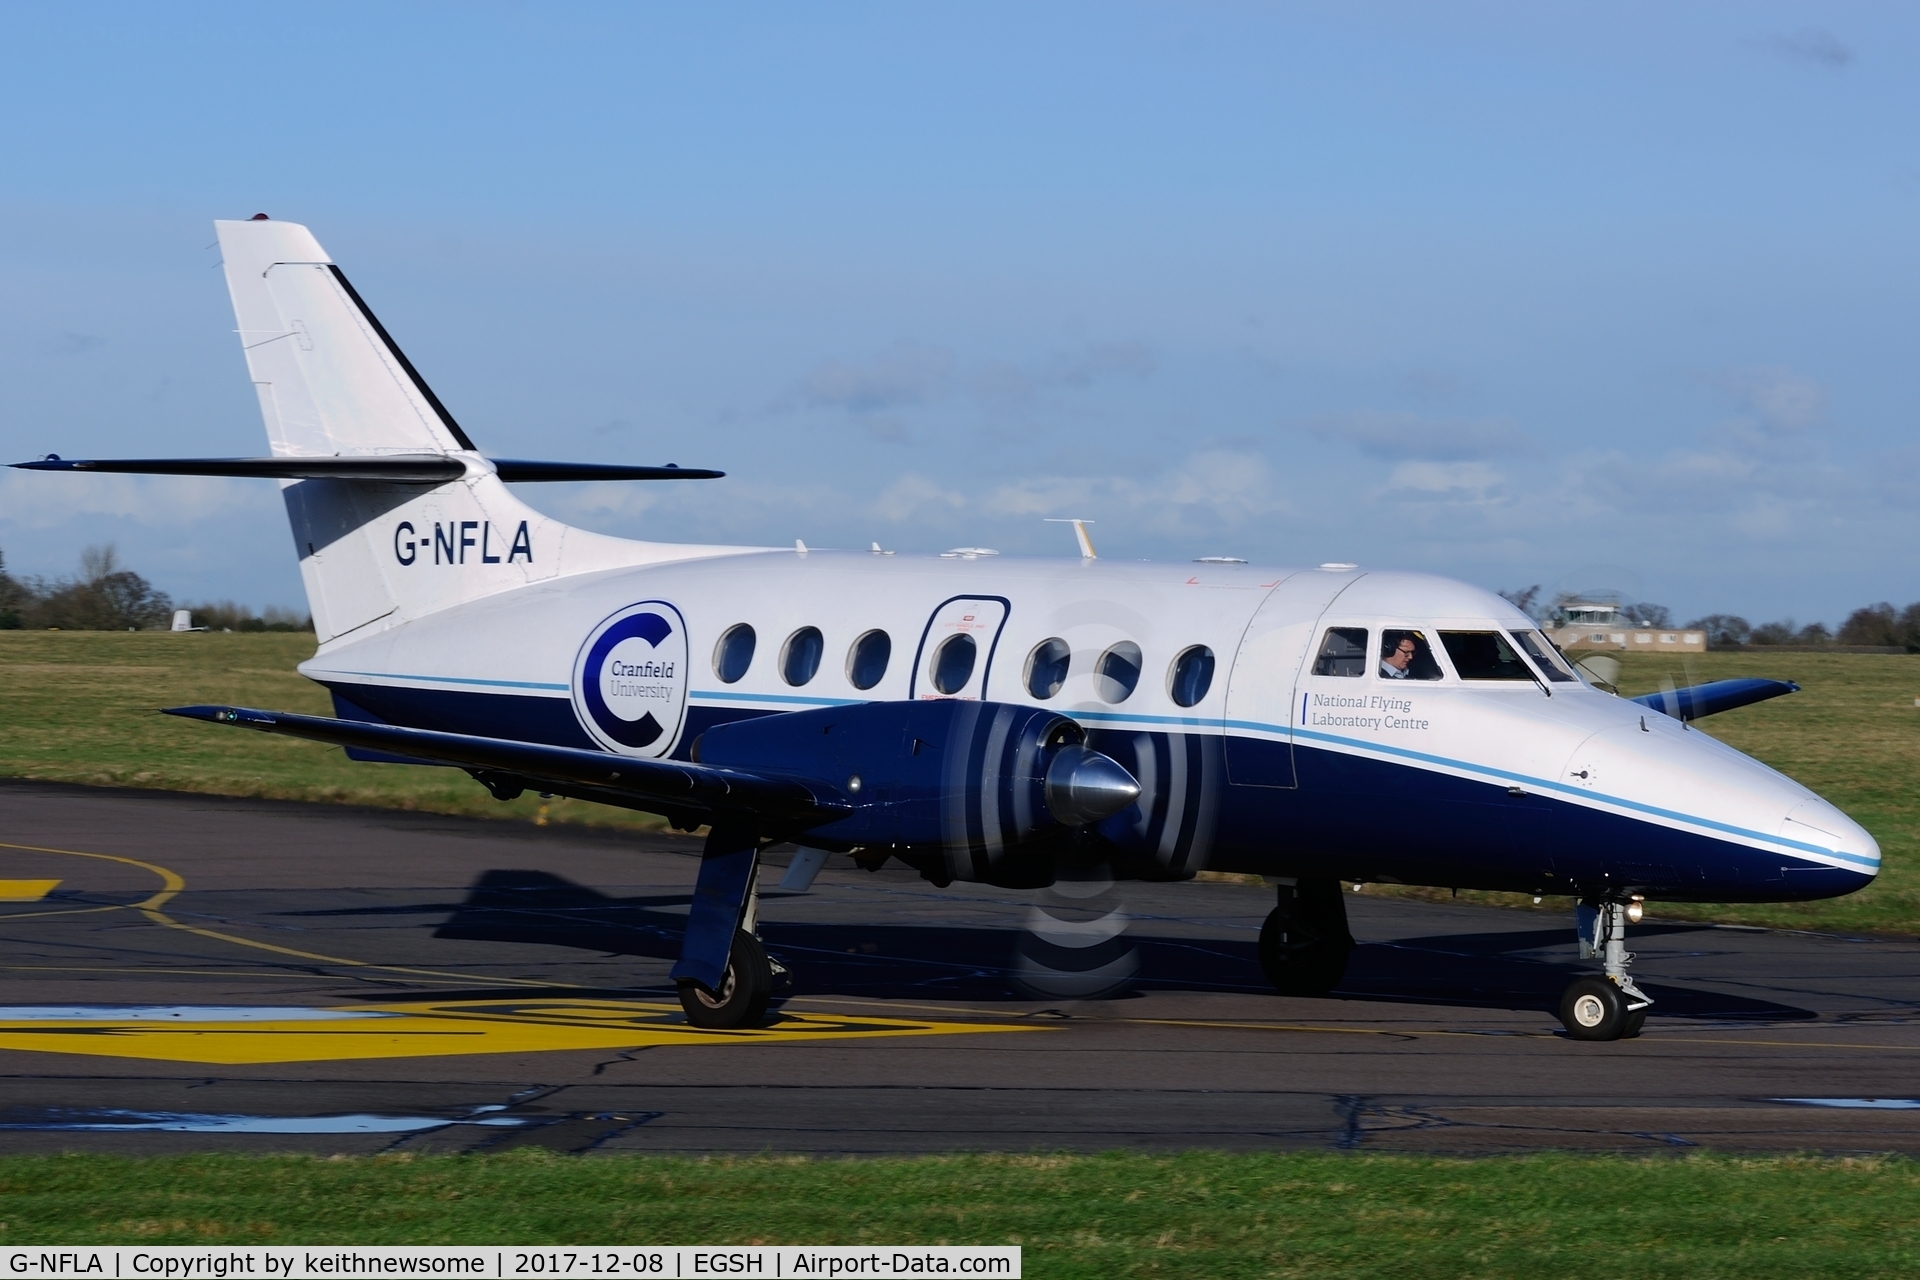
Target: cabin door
{"x": 956, "y": 652}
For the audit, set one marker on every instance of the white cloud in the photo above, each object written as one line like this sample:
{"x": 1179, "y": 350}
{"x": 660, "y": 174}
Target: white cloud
{"x": 1472, "y": 481}
{"x": 1779, "y": 401}
{"x": 1810, "y": 46}
{"x": 1207, "y": 489}
{"x": 902, "y": 375}
{"x": 1014, "y": 383}
{"x": 1413, "y": 435}
{"x": 47, "y": 500}
{"x": 914, "y": 496}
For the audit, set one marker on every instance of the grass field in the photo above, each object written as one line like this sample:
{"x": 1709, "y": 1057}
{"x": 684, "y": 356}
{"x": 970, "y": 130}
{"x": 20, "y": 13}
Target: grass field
{"x": 80, "y": 707}
{"x": 1120, "y": 1214}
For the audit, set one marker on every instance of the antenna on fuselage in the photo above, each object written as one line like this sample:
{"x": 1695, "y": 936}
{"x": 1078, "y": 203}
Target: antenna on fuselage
{"x": 1080, "y": 535}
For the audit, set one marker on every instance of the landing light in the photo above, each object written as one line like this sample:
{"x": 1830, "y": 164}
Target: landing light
{"x": 1635, "y": 910}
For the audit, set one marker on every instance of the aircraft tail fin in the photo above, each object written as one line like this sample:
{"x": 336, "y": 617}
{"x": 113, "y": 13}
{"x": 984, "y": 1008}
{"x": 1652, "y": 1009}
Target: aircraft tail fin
{"x": 330, "y": 379}
{"x": 393, "y": 512}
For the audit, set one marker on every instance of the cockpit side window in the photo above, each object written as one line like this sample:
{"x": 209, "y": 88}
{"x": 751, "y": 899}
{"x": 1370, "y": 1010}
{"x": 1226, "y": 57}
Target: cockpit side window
{"x": 1407, "y": 655}
{"x": 1342, "y": 653}
{"x": 1544, "y": 656}
{"x": 1484, "y": 655}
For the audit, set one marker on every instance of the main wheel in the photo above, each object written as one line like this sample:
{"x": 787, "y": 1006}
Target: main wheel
{"x": 744, "y": 991}
{"x": 1304, "y": 945}
{"x": 1594, "y": 1009}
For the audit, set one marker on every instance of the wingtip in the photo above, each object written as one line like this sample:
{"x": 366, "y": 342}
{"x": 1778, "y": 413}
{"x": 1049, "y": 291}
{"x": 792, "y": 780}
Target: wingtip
{"x": 220, "y": 715}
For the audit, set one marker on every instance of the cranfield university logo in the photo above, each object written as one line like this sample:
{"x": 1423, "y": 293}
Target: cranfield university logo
{"x": 630, "y": 680}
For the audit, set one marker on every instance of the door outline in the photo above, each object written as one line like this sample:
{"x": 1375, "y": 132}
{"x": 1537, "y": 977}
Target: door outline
{"x": 1291, "y": 724}
{"x": 986, "y": 672}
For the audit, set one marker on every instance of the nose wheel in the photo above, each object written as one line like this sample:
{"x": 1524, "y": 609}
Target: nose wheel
{"x": 1607, "y": 1007}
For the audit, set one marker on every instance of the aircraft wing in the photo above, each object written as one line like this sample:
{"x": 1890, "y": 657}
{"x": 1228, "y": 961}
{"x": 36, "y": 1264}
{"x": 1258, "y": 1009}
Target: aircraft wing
{"x": 685, "y": 792}
{"x": 394, "y": 468}
{"x": 1710, "y": 699}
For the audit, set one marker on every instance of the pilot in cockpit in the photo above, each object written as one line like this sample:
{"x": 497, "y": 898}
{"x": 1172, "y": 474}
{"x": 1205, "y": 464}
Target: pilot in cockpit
{"x": 1404, "y": 656}
{"x": 1398, "y": 656}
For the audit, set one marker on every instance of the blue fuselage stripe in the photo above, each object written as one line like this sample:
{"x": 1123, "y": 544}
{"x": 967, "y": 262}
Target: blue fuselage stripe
{"x": 1282, "y": 732}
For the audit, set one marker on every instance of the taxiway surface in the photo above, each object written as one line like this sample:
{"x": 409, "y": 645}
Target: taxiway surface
{"x": 190, "y": 972}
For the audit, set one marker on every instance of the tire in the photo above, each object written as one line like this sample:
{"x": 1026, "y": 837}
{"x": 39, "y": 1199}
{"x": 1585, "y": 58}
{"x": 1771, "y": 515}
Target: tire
{"x": 1593, "y": 1009}
{"x": 1636, "y": 1020}
{"x": 744, "y": 992}
{"x": 1304, "y": 945}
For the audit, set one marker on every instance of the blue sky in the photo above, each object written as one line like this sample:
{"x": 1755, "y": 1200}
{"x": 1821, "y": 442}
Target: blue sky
{"x": 1586, "y": 296}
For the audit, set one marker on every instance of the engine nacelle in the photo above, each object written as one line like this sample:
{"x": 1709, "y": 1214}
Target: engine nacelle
{"x": 961, "y": 790}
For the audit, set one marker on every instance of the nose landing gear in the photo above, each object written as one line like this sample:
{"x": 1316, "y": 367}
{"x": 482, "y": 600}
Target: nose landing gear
{"x": 1609, "y": 1007}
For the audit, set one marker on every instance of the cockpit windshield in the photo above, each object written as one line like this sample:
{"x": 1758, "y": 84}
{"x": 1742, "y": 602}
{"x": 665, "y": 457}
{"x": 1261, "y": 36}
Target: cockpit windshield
{"x": 1484, "y": 655}
{"x": 1544, "y": 656}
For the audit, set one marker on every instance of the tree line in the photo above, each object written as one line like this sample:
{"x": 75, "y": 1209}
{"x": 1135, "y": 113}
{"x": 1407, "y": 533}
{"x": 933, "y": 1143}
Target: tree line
{"x": 105, "y": 596}
{"x": 1875, "y": 625}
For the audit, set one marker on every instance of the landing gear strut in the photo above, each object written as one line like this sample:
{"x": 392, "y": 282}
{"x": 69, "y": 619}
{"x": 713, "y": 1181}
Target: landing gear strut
{"x": 1304, "y": 944}
{"x": 1609, "y": 1007}
{"x": 725, "y": 978}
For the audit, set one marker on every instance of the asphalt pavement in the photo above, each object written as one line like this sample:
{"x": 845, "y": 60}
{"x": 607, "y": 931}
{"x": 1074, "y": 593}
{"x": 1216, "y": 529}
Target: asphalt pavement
{"x": 191, "y": 972}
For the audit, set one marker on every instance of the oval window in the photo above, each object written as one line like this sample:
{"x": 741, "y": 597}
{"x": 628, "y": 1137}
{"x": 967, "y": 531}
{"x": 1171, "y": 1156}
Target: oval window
{"x": 953, "y": 663}
{"x": 1117, "y": 672}
{"x": 734, "y": 654}
{"x": 800, "y": 656}
{"x": 867, "y": 660}
{"x": 1191, "y": 675}
{"x": 1047, "y": 667}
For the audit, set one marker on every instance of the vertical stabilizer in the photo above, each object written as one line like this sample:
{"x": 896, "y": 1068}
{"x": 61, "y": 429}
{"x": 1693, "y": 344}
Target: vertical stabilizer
{"x": 329, "y": 378}
{"x": 332, "y": 383}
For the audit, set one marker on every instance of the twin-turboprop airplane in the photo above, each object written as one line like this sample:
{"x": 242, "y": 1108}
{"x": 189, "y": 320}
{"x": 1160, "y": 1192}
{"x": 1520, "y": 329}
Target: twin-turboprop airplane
{"x": 977, "y": 717}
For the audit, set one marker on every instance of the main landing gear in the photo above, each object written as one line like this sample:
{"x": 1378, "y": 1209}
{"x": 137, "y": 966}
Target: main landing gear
{"x": 1304, "y": 944}
{"x": 725, "y": 977}
{"x": 744, "y": 992}
{"x": 1610, "y": 1007}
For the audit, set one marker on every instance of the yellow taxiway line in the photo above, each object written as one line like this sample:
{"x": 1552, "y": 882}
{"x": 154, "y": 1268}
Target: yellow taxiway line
{"x": 251, "y": 1035}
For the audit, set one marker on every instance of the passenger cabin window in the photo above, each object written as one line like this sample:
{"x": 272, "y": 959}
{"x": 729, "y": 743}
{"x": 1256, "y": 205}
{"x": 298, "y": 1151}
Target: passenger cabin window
{"x": 1484, "y": 655}
{"x": 953, "y": 663}
{"x": 800, "y": 656}
{"x": 1342, "y": 653}
{"x": 1544, "y": 656}
{"x": 1190, "y": 676}
{"x": 867, "y": 659}
{"x": 1117, "y": 672}
{"x": 1406, "y": 655}
{"x": 734, "y": 654}
{"x": 1047, "y": 667}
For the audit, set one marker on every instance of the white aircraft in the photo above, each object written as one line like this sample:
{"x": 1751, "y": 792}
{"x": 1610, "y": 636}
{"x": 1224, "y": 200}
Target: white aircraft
{"x": 977, "y": 717}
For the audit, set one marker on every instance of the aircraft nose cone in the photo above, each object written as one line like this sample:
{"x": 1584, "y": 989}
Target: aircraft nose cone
{"x": 1823, "y": 827}
{"x": 1085, "y": 786}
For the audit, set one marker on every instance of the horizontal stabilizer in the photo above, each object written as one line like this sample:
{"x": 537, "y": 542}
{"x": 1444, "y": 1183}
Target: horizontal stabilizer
{"x": 677, "y": 789}
{"x": 1710, "y": 699}
{"x": 396, "y": 468}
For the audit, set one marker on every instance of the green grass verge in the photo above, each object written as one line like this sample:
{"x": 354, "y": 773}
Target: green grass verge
{"x": 1195, "y": 1214}
{"x": 80, "y": 707}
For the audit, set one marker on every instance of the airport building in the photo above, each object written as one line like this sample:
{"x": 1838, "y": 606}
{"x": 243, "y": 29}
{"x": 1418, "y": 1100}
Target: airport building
{"x": 1599, "y": 625}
